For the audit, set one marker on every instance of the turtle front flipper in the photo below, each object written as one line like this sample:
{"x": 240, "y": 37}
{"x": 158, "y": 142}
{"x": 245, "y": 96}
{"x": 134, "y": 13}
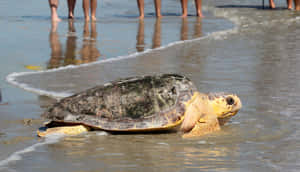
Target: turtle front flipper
{"x": 203, "y": 127}
{"x": 66, "y": 130}
{"x": 199, "y": 118}
{"x": 196, "y": 109}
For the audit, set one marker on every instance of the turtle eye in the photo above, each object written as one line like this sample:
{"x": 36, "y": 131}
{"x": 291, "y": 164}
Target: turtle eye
{"x": 230, "y": 100}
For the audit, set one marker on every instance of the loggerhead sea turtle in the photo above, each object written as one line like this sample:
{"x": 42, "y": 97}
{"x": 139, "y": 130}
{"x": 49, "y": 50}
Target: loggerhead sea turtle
{"x": 142, "y": 104}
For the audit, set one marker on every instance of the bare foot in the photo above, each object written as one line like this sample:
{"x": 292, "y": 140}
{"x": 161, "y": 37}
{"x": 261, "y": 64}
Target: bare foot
{"x": 71, "y": 16}
{"x": 159, "y": 16}
{"x": 199, "y": 14}
{"x": 272, "y": 5}
{"x": 94, "y": 18}
{"x": 55, "y": 19}
{"x": 87, "y": 19}
{"x": 141, "y": 16}
{"x": 184, "y": 15}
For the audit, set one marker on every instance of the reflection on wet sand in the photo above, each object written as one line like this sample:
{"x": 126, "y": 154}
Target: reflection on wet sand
{"x": 184, "y": 31}
{"x": 55, "y": 45}
{"x": 184, "y": 34}
{"x": 88, "y": 52}
{"x": 0, "y": 96}
{"x": 1, "y": 103}
{"x": 137, "y": 152}
{"x": 198, "y": 28}
{"x": 208, "y": 157}
{"x": 70, "y": 53}
{"x": 105, "y": 151}
{"x": 156, "y": 38}
{"x": 140, "y": 42}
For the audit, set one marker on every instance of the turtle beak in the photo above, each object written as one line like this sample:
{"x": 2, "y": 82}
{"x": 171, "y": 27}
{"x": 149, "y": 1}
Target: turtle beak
{"x": 237, "y": 106}
{"x": 226, "y": 117}
{"x": 230, "y": 114}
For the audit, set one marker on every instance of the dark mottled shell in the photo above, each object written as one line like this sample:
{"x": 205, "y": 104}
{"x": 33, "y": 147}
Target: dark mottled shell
{"x": 131, "y": 104}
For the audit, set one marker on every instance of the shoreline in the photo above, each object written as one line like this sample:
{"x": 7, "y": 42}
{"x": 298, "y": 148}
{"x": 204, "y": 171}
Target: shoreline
{"x": 12, "y": 77}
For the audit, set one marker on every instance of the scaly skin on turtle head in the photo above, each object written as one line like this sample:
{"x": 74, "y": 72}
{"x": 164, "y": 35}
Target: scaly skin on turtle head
{"x": 206, "y": 112}
{"x": 224, "y": 105}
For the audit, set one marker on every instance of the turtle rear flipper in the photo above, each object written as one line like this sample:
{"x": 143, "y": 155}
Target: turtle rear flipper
{"x": 66, "y": 130}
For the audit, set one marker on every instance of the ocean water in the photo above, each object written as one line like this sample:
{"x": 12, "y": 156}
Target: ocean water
{"x": 238, "y": 47}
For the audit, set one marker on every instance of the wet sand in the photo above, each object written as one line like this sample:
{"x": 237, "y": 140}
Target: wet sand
{"x": 256, "y": 58}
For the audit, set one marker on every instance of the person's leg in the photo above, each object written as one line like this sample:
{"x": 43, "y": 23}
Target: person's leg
{"x": 93, "y": 9}
{"x": 198, "y": 4}
{"x": 53, "y": 8}
{"x": 184, "y": 7}
{"x": 86, "y": 7}
{"x": 272, "y": 4}
{"x": 71, "y": 6}
{"x": 157, "y": 7}
{"x": 297, "y": 5}
{"x": 289, "y": 4}
{"x": 140, "y": 4}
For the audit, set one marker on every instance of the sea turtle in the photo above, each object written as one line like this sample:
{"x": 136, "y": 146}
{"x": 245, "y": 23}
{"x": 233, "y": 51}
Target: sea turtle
{"x": 142, "y": 104}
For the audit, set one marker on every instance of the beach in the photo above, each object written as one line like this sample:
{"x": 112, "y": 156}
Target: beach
{"x": 238, "y": 47}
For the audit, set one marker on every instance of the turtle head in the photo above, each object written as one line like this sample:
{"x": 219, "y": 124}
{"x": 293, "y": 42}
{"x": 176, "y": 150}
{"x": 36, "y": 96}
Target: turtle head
{"x": 224, "y": 105}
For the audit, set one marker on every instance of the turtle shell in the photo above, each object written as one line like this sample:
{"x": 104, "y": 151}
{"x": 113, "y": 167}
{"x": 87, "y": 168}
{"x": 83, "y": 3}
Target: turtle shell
{"x": 145, "y": 103}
